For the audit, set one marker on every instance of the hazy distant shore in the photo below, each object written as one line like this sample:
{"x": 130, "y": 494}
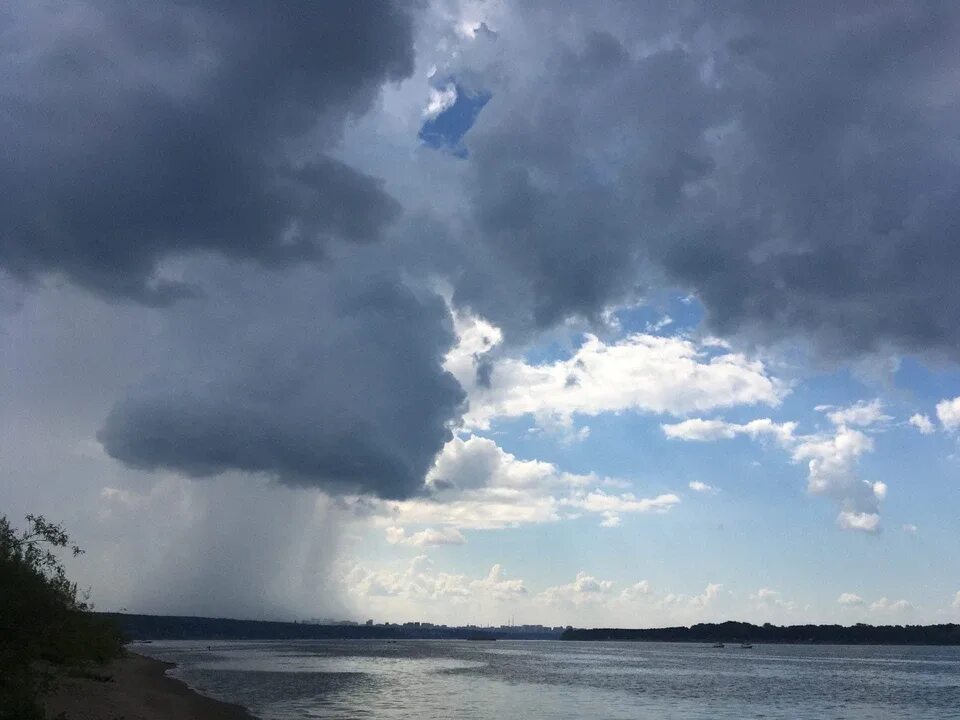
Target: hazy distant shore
{"x": 170, "y": 627}
{"x": 730, "y": 631}
{"x": 139, "y": 689}
{"x": 175, "y": 627}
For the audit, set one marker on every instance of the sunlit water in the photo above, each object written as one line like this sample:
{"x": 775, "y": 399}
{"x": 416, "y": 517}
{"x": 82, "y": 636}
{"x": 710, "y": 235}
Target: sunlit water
{"x": 425, "y": 679}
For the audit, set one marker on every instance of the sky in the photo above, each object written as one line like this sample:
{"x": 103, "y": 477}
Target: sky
{"x": 466, "y": 311}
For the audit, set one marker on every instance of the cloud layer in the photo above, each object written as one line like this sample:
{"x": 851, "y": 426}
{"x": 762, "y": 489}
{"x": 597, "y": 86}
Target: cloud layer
{"x": 787, "y": 166}
{"x": 831, "y": 458}
{"x": 343, "y": 392}
{"x": 133, "y": 134}
{"x": 224, "y": 252}
{"x": 475, "y": 484}
{"x": 641, "y": 372}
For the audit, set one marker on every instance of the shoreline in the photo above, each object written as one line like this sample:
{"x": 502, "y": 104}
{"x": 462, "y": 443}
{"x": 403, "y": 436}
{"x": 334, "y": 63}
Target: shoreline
{"x": 140, "y": 689}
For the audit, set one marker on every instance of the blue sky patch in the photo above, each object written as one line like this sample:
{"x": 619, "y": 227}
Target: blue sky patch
{"x": 446, "y": 130}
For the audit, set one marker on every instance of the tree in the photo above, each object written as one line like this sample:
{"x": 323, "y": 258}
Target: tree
{"x": 45, "y": 629}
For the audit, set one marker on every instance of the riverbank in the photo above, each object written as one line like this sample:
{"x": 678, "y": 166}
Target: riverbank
{"x": 139, "y": 690}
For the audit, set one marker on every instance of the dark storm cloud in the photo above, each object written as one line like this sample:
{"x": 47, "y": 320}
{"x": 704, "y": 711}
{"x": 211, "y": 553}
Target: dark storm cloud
{"x": 130, "y": 132}
{"x": 331, "y": 384}
{"x": 558, "y": 185}
{"x": 796, "y": 167}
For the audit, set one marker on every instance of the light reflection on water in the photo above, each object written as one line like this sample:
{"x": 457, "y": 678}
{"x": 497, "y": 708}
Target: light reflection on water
{"x": 430, "y": 680}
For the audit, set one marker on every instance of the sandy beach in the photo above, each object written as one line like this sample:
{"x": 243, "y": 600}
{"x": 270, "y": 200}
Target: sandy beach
{"x": 140, "y": 690}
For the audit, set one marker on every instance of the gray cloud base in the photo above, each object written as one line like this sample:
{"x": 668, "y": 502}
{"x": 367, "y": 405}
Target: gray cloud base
{"x": 342, "y": 390}
{"x": 796, "y": 168}
{"x": 131, "y": 133}
{"x": 143, "y": 133}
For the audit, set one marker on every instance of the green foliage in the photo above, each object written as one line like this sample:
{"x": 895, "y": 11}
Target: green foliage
{"x": 45, "y": 627}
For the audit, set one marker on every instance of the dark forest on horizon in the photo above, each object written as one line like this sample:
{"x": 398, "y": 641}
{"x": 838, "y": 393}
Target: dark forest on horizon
{"x": 170, "y": 627}
{"x": 181, "y": 627}
{"x": 730, "y": 631}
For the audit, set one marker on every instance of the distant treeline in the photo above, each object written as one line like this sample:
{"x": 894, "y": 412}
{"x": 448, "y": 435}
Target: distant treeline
{"x": 858, "y": 634}
{"x": 174, "y": 627}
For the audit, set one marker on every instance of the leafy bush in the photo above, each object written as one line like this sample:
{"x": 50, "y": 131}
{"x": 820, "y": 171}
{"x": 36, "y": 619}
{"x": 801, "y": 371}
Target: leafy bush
{"x": 45, "y": 627}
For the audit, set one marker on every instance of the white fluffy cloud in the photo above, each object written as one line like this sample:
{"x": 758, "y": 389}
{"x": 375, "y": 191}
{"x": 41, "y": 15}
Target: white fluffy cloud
{"x": 831, "y": 458}
{"x": 478, "y": 462}
{"x": 611, "y": 506}
{"x": 700, "y": 601}
{"x": 701, "y": 487}
{"x": 476, "y": 484}
{"x": 428, "y": 537}
{"x": 867, "y": 522}
{"x": 420, "y": 590}
{"x": 640, "y": 372}
{"x": 440, "y": 99}
{"x": 585, "y": 589}
{"x": 863, "y": 413}
{"x": 948, "y": 413}
{"x": 767, "y": 599}
{"x": 420, "y": 581}
{"x": 831, "y": 463}
{"x": 702, "y": 430}
{"x": 883, "y": 605}
{"x": 922, "y": 423}
{"x": 850, "y": 600}
{"x": 638, "y": 590}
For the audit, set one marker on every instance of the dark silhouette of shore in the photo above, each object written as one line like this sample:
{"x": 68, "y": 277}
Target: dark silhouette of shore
{"x": 172, "y": 627}
{"x": 733, "y": 632}
{"x": 175, "y": 627}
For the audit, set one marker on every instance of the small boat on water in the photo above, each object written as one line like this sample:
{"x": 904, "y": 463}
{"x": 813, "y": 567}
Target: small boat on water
{"x": 745, "y": 645}
{"x": 719, "y": 645}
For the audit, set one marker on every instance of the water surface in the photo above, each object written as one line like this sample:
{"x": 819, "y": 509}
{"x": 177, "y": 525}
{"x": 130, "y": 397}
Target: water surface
{"x": 434, "y": 679}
